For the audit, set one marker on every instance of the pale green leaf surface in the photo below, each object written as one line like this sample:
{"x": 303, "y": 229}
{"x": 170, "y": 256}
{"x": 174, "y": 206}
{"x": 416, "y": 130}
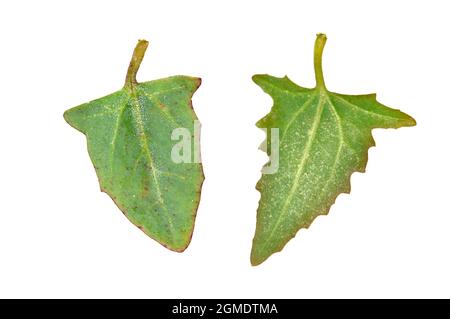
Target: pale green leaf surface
{"x": 324, "y": 138}
{"x": 129, "y": 141}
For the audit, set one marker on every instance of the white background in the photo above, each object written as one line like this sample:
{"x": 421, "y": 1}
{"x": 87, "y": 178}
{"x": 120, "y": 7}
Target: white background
{"x": 61, "y": 237}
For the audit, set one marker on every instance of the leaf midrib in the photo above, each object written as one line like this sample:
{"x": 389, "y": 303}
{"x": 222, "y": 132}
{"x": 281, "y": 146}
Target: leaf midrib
{"x": 300, "y": 167}
{"x": 137, "y": 115}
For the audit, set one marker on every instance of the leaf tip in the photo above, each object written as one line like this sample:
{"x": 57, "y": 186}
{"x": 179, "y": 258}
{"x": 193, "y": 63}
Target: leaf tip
{"x": 198, "y": 82}
{"x": 405, "y": 120}
{"x": 263, "y": 79}
{"x": 66, "y": 116}
{"x": 192, "y": 83}
{"x": 173, "y": 246}
{"x": 410, "y": 121}
{"x": 257, "y": 78}
{"x": 256, "y": 260}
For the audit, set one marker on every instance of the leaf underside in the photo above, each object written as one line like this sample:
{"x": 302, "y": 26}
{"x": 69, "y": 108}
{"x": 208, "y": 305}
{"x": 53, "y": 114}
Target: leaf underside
{"x": 324, "y": 138}
{"x": 129, "y": 141}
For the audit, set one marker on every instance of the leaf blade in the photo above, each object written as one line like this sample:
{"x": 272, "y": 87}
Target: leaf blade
{"x": 324, "y": 138}
{"x": 129, "y": 141}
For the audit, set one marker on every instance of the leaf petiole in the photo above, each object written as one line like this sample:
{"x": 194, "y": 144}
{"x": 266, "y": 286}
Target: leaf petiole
{"x": 135, "y": 63}
{"x": 318, "y": 50}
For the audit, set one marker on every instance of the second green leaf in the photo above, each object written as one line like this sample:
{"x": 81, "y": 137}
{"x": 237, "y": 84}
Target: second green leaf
{"x": 323, "y": 138}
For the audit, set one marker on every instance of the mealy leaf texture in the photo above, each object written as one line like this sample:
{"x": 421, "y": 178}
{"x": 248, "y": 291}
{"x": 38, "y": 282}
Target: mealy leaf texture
{"x": 323, "y": 138}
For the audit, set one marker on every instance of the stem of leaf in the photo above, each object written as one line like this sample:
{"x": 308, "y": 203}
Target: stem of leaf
{"x": 318, "y": 50}
{"x": 135, "y": 63}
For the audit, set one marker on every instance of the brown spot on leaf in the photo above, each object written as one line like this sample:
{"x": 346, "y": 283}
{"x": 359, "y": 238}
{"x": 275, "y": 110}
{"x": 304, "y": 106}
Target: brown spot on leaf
{"x": 144, "y": 192}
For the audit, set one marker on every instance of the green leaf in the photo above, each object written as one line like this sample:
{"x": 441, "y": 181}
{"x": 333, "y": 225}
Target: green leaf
{"x": 323, "y": 138}
{"x": 129, "y": 141}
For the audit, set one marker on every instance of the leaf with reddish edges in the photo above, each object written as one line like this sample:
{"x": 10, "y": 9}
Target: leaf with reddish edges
{"x": 129, "y": 141}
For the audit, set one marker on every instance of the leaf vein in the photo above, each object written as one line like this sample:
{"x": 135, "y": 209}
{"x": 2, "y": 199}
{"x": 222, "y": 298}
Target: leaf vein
{"x": 299, "y": 170}
{"x": 363, "y": 110}
{"x": 144, "y": 144}
{"x": 114, "y": 136}
{"x": 166, "y": 114}
{"x": 297, "y": 113}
